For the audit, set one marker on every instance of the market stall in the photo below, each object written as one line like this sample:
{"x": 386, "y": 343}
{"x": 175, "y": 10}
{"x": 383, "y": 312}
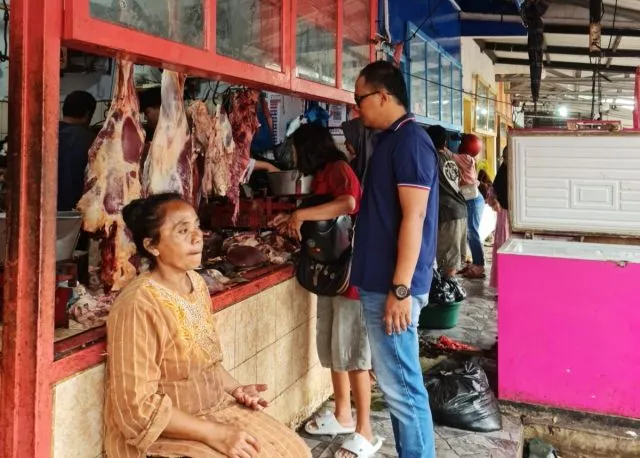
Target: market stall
{"x": 51, "y": 381}
{"x": 568, "y": 312}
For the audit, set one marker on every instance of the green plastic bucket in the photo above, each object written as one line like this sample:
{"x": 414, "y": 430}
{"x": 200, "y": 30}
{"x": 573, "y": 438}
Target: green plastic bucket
{"x": 435, "y": 316}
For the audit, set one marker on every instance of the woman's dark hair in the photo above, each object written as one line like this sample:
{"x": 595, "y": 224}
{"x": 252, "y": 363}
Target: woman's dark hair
{"x": 145, "y": 217}
{"x": 315, "y": 148}
{"x": 438, "y": 136}
{"x": 384, "y": 75}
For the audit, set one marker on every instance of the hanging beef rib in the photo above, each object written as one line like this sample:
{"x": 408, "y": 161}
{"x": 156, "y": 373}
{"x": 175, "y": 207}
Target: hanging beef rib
{"x": 112, "y": 180}
{"x": 169, "y": 164}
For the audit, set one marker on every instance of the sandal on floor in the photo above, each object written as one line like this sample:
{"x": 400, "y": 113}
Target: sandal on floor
{"x": 360, "y": 446}
{"x": 326, "y": 424}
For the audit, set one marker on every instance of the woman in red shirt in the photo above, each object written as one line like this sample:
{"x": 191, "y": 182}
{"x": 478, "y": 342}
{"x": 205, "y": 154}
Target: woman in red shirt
{"x": 341, "y": 335}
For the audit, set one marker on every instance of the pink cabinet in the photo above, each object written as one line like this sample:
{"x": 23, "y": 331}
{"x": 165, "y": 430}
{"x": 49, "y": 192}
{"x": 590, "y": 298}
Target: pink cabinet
{"x": 569, "y": 326}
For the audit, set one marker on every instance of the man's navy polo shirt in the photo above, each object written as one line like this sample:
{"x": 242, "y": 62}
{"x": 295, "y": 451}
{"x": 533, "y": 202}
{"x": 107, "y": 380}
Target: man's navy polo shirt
{"x": 403, "y": 156}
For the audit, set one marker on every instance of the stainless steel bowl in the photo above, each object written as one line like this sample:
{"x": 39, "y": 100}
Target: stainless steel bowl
{"x": 68, "y": 226}
{"x": 289, "y": 183}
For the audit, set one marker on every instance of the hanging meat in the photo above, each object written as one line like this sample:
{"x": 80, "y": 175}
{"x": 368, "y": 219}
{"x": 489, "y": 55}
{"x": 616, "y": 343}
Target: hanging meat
{"x": 214, "y": 141}
{"x": 170, "y": 162}
{"x": 112, "y": 181}
{"x": 244, "y": 124}
{"x": 201, "y": 125}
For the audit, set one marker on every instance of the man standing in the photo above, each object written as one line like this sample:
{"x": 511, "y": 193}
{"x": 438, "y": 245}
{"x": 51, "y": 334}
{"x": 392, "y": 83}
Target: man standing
{"x": 452, "y": 212}
{"x": 394, "y": 250}
{"x": 74, "y": 141}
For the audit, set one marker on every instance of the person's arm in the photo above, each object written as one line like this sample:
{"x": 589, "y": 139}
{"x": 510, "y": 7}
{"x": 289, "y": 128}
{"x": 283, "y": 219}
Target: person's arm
{"x": 413, "y": 202}
{"x": 415, "y": 167}
{"x": 344, "y": 186}
{"x": 267, "y": 166}
{"x": 341, "y": 205}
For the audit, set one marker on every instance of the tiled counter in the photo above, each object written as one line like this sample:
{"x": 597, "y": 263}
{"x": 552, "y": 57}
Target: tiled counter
{"x": 267, "y": 338}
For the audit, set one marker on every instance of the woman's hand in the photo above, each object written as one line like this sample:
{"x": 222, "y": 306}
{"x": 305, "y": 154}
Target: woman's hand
{"x": 279, "y": 220}
{"x": 233, "y": 442}
{"x": 249, "y": 396}
{"x": 293, "y": 226}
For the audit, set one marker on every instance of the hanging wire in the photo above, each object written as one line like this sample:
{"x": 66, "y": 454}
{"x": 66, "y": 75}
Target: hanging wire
{"x": 424, "y": 22}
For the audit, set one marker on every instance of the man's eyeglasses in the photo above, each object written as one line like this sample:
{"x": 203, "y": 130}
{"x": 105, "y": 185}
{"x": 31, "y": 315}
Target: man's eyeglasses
{"x": 360, "y": 98}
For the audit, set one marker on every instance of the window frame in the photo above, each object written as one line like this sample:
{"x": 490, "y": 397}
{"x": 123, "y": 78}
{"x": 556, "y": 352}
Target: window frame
{"x": 456, "y": 86}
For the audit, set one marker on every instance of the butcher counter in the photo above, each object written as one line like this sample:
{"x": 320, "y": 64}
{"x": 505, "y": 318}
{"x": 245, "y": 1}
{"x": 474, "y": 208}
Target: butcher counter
{"x": 267, "y": 330}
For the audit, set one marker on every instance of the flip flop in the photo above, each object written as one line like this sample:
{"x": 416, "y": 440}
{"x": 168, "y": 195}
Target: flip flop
{"x": 326, "y": 424}
{"x": 360, "y": 446}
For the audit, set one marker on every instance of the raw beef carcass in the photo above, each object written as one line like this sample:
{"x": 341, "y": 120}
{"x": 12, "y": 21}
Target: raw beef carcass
{"x": 219, "y": 160}
{"x": 112, "y": 181}
{"x": 244, "y": 124}
{"x": 169, "y": 164}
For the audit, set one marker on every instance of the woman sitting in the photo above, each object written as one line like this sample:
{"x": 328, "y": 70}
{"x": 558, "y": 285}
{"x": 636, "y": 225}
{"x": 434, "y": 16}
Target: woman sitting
{"x": 167, "y": 393}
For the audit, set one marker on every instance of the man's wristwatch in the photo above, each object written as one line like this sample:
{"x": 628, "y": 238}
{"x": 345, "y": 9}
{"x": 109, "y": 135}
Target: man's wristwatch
{"x": 401, "y": 292}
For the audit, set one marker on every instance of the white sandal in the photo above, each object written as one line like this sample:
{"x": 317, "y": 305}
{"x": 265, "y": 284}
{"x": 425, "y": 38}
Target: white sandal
{"x": 326, "y": 424}
{"x": 360, "y": 446}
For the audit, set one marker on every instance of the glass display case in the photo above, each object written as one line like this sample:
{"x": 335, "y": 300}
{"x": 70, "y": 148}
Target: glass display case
{"x": 184, "y": 23}
{"x": 457, "y": 95}
{"x": 446, "y": 90}
{"x": 316, "y": 41}
{"x": 418, "y": 77}
{"x": 260, "y": 41}
{"x": 356, "y": 44}
{"x": 433, "y": 82}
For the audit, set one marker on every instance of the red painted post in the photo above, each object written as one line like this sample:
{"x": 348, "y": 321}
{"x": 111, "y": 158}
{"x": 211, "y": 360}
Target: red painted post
{"x": 25, "y": 416}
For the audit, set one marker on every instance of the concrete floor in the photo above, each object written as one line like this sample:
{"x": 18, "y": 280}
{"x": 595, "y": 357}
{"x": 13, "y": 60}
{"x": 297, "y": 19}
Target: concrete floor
{"x": 477, "y": 326}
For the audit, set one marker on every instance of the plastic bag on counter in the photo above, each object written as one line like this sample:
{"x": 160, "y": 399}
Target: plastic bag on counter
{"x": 460, "y": 397}
{"x": 445, "y": 291}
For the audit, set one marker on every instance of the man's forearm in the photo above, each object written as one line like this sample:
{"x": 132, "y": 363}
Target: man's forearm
{"x": 409, "y": 245}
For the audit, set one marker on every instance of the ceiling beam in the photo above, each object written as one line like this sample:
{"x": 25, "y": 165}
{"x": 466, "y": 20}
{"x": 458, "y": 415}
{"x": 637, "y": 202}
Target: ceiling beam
{"x": 569, "y": 66}
{"x": 565, "y": 50}
{"x": 621, "y": 12}
{"x": 566, "y": 29}
{"x": 492, "y": 55}
{"x": 511, "y": 78}
{"x": 614, "y": 49}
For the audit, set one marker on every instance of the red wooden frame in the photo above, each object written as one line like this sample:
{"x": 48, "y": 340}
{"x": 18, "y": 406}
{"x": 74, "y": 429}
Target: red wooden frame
{"x": 29, "y": 371}
{"x": 82, "y": 31}
{"x": 29, "y": 290}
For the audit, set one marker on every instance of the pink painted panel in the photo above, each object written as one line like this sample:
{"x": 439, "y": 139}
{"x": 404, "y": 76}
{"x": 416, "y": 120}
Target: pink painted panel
{"x": 569, "y": 333}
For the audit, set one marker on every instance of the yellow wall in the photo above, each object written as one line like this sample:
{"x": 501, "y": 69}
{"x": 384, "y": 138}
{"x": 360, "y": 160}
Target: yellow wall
{"x": 489, "y": 158}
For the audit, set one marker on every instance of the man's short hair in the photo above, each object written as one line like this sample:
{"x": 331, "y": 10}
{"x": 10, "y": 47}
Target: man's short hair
{"x": 79, "y": 104}
{"x": 438, "y": 136}
{"x": 385, "y": 75}
{"x": 150, "y": 98}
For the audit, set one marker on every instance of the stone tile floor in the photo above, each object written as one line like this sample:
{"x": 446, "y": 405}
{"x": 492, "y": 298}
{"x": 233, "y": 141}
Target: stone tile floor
{"x": 477, "y": 326}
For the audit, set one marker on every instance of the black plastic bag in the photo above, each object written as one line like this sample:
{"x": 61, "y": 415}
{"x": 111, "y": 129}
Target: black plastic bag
{"x": 460, "y": 397}
{"x": 445, "y": 291}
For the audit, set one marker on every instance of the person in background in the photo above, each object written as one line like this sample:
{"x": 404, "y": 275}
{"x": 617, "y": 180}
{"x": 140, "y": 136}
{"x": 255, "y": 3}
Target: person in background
{"x": 452, "y": 212}
{"x": 359, "y": 143}
{"x": 484, "y": 184}
{"x": 341, "y": 335}
{"x": 501, "y": 206}
{"x": 263, "y": 139}
{"x": 395, "y": 249}
{"x": 469, "y": 148}
{"x": 74, "y": 141}
{"x": 150, "y": 102}
{"x": 167, "y": 392}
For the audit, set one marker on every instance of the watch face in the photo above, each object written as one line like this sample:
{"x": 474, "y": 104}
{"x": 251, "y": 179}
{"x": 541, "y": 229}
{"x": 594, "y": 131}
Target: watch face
{"x": 402, "y": 291}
